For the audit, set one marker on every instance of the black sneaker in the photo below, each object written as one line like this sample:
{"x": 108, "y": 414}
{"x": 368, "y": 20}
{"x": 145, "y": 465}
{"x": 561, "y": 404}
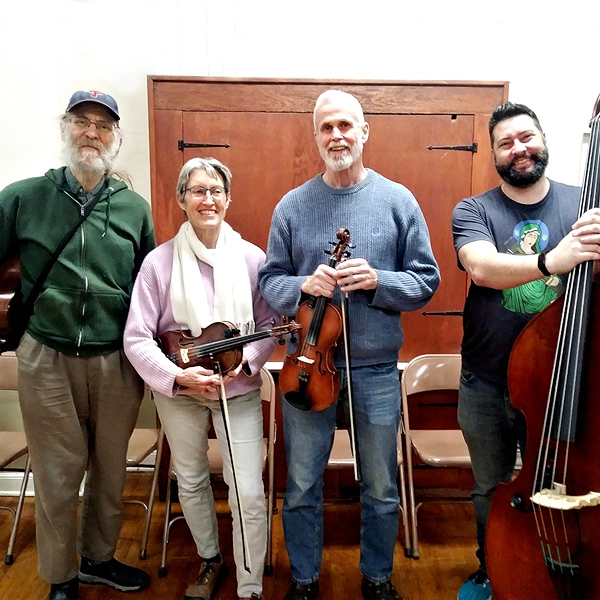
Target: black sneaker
{"x": 114, "y": 574}
{"x": 302, "y": 591}
{"x": 379, "y": 591}
{"x": 69, "y": 590}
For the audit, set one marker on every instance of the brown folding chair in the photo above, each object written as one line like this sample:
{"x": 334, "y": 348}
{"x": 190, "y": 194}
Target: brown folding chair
{"x": 341, "y": 458}
{"x": 13, "y": 446}
{"x": 142, "y": 444}
{"x": 430, "y": 382}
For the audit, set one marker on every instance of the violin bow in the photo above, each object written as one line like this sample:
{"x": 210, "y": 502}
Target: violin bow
{"x": 353, "y": 436}
{"x": 227, "y": 426}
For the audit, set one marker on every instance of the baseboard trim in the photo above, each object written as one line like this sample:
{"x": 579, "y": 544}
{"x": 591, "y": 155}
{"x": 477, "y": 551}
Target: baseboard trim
{"x": 10, "y": 481}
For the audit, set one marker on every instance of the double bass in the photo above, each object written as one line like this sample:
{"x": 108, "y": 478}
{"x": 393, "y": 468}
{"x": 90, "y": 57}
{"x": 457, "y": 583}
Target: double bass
{"x": 543, "y": 529}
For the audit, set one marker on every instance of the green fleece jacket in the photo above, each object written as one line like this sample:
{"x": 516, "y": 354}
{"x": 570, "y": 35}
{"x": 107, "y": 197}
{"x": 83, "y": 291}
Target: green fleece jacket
{"x": 83, "y": 305}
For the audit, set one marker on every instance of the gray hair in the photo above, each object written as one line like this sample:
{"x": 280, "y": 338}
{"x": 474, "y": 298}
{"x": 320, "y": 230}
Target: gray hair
{"x": 210, "y": 165}
{"x": 335, "y": 96}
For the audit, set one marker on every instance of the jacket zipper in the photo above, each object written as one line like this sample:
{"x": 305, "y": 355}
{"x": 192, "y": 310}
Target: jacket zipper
{"x": 86, "y": 284}
{"x": 85, "y": 277}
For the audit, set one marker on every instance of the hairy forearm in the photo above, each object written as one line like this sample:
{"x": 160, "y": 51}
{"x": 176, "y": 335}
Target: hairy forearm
{"x": 505, "y": 271}
{"x": 489, "y": 268}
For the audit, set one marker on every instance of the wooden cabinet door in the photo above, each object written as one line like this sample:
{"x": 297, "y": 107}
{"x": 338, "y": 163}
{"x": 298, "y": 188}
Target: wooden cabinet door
{"x": 267, "y": 125}
{"x": 398, "y": 149}
{"x": 268, "y": 154}
{"x": 271, "y": 153}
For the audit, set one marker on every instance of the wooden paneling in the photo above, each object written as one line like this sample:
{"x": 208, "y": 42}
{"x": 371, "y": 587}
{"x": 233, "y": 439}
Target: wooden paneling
{"x": 398, "y": 148}
{"x": 166, "y": 128}
{"x": 297, "y": 95}
{"x": 269, "y": 154}
{"x": 268, "y": 125}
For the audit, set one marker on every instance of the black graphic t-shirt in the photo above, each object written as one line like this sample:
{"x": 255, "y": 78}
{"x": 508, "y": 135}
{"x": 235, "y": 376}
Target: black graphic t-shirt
{"x": 494, "y": 318}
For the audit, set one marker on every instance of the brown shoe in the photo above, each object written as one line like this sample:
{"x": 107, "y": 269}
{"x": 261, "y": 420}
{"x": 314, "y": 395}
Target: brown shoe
{"x": 211, "y": 576}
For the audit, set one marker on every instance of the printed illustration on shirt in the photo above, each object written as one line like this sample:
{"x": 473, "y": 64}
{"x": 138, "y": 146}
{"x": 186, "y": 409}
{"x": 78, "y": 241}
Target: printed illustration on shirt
{"x": 530, "y": 237}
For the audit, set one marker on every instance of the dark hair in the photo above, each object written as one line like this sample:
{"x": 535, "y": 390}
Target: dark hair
{"x": 509, "y": 110}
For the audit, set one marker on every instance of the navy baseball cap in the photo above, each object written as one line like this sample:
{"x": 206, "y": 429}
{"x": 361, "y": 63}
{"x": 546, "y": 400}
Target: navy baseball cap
{"x": 94, "y": 96}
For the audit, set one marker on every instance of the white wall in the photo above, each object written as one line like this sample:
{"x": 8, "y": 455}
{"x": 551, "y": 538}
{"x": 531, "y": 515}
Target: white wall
{"x": 50, "y": 48}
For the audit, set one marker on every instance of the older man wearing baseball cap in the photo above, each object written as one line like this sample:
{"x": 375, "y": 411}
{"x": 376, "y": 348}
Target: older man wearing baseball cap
{"x": 79, "y": 395}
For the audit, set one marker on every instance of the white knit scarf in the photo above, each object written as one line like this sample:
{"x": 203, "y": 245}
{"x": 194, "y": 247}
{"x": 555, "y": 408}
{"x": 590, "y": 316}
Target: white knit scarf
{"x": 233, "y": 296}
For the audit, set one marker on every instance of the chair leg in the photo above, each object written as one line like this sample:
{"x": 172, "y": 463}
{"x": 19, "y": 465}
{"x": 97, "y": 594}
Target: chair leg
{"x": 404, "y": 510}
{"x": 159, "y": 445}
{"x": 162, "y": 570}
{"x": 9, "y": 558}
{"x": 414, "y": 550}
{"x": 270, "y": 509}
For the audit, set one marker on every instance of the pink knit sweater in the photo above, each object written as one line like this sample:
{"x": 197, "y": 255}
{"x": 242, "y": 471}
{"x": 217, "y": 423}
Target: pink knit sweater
{"x": 151, "y": 314}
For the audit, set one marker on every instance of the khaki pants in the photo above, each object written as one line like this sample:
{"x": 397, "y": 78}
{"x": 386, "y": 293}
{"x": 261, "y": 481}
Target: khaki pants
{"x": 78, "y": 415}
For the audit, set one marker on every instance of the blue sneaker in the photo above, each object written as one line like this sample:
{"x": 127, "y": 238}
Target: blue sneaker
{"x": 477, "y": 587}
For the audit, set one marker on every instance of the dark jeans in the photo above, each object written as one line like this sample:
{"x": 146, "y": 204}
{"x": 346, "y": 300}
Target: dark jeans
{"x": 493, "y": 430}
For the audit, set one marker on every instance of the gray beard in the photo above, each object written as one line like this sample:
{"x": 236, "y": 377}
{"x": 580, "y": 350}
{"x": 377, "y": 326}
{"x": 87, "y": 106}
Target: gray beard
{"x": 341, "y": 163}
{"x": 100, "y": 163}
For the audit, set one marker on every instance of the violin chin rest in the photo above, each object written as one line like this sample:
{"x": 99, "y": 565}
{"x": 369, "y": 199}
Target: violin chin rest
{"x": 299, "y": 400}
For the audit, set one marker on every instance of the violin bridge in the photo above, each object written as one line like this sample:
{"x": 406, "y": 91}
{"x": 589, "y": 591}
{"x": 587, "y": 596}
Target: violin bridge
{"x": 184, "y": 355}
{"x": 304, "y": 359}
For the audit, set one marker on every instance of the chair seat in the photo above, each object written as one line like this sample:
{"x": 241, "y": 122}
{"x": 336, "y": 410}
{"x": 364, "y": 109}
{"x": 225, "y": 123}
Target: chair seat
{"x": 447, "y": 448}
{"x": 341, "y": 452}
{"x": 13, "y": 445}
{"x": 141, "y": 444}
{"x": 215, "y": 458}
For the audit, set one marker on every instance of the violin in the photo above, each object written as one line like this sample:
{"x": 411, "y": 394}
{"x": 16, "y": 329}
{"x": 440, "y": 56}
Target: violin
{"x": 308, "y": 379}
{"x": 220, "y": 341}
{"x": 543, "y": 528}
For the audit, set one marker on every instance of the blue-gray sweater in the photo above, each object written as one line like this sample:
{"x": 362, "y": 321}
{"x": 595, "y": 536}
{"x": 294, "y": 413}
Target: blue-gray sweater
{"x": 388, "y": 229}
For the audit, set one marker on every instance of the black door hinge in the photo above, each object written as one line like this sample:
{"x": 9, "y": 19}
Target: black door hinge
{"x": 471, "y": 148}
{"x": 181, "y": 145}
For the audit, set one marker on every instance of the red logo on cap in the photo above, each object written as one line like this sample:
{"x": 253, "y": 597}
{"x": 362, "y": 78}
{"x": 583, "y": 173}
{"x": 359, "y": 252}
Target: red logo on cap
{"x": 94, "y": 93}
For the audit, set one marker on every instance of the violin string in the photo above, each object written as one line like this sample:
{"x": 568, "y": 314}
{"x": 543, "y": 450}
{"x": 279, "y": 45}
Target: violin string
{"x": 226, "y": 344}
{"x": 321, "y": 303}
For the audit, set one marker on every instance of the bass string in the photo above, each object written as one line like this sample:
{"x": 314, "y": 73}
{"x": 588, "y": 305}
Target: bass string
{"x": 569, "y": 356}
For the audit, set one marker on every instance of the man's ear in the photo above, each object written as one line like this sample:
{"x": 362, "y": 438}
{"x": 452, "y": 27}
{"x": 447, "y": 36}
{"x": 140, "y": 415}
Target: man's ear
{"x": 366, "y": 130}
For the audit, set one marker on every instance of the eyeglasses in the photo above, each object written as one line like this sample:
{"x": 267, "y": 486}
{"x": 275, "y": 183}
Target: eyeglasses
{"x": 198, "y": 193}
{"x": 85, "y": 123}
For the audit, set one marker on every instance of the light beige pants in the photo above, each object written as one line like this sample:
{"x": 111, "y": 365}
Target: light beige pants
{"x": 78, "y": 415}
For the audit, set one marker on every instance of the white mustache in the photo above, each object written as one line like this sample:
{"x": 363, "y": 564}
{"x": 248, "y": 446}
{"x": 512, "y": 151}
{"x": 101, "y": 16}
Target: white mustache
{"x": 90, "y": 143}
{"x": 338, "y": 145}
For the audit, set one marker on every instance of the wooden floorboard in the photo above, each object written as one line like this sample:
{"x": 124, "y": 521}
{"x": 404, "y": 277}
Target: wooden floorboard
{"x": 447, "y": 546}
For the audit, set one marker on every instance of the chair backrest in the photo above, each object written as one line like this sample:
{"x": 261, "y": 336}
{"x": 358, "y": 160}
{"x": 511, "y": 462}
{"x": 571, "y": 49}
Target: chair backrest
{"x": 429, "y": 387}
{"x": 8, "y": 371}
{"x": 268, "y": 394}
{"x": 431, "y": 372}
{"x": 12, "y": 443}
